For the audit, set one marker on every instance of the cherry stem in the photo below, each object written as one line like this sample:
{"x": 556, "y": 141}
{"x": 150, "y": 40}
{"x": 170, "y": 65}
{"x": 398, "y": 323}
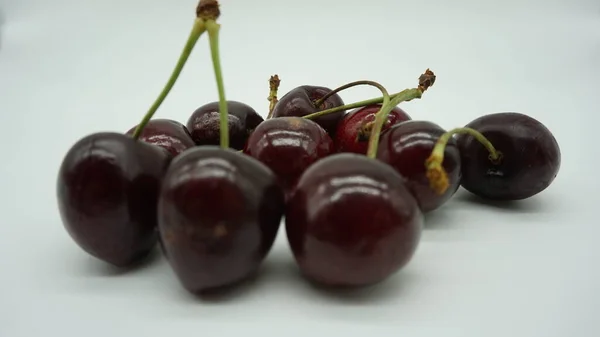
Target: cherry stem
{"x": 213, "y": 28}
{"x": 197, "y": 30}
{"x": 273, "y": 88}
{"x": 426, "y": 80}
{"x": 322, "y": 100}
{"x": 437, "y": 176}
{"x": 360, "y": 104}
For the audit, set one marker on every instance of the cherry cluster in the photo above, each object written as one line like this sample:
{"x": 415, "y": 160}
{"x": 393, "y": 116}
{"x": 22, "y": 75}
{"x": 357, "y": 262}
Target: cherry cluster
{"x": 352, "y": 181}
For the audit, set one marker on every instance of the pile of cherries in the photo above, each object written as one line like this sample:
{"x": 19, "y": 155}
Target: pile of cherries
{"x": 352, "y": 181}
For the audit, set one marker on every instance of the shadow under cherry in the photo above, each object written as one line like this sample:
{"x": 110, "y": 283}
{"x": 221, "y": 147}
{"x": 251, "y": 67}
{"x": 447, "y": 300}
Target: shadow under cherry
{"x": 531, "y": 205}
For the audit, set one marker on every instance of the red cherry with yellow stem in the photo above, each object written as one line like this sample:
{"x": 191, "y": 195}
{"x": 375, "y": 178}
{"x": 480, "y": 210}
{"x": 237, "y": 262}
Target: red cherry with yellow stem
{"x": 523, "y": 160}
{"x": 436, "y": 174}
{"x": 406, "y": 146}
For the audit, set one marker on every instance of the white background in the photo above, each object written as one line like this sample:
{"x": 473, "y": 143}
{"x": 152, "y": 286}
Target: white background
{"x": 72, "y": 67}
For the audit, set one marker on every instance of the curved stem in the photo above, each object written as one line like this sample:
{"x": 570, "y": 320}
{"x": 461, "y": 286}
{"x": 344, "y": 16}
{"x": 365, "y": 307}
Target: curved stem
{"x": 359, "y": 104}
{"x": 438, "y": 178}
{"x": 440, "y": 145}
{"x": 197, "y": 30}
{"x": 382, "y": 116}
{"x": 426, "y": 80}
{"x": 273, "y": 88}
{"x": 213, "y": 34}
{"x": 320, "y": 101}
{"x": 386, "y": 95}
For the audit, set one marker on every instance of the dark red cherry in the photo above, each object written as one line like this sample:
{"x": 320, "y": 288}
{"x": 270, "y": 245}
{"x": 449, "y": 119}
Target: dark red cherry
{"x": 166, "y": 133}
{"x": 288, "y": 146}
{"x": 108, "y": 186}
{"x": 406, "y": 147}
{"x": 300, "y": 102}
{"x": 219, "y": 213}
{"x": 204, "y": 124}
{"x": 530, "y": 157}
{"x": 351, "y": 221}
{"x": 354, "y": 130}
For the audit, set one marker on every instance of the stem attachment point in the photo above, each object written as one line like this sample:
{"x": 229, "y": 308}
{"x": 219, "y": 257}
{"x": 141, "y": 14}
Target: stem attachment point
{"x": 364, "y": 132}
{"x": 426, "y": 80}
{"x": 208, "y": 10}
{"x": 437, "y": 176}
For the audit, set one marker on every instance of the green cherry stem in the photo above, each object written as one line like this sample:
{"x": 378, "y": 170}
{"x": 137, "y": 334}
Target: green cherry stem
{"x": 213, "y": 29}
{"x": 386, "y": 97}
{"x": 437, "y": 176}
{"x": 384, "y": 92}
{"x": 209, "y": 12}
{"x": 274, "y": 82}
{"x": 360, "y": 104}
{"x": 425, "y": 81}
{"x": 197, "y": 30}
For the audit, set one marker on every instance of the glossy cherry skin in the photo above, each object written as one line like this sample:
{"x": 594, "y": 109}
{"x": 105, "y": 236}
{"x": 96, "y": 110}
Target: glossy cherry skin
{"x": 300, "y": 102}
{"x": 166, "y": 133}
{"x": 351, "y": 221}
{"x": 406, "y": 147}
{"x": 204, "y": 124}
{"x": 219, "y": 214}
{"x": 288, "y": 146}
{"x": 107, "y": 188}
{"x": 353, "y": 133}
{"x": 530, "y": 161}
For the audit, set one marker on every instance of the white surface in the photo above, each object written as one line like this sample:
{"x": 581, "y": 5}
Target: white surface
{"x": 72, "y": 67}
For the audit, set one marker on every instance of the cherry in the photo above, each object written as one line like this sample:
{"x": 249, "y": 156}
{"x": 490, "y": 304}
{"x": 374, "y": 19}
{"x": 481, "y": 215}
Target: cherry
{"x": 354, "y": 129}
{"x": 352, "y": 221}
{"x": 219, "y": 210}
{"x": 300, "y": 102}
{"x": 108, "y": 186}
{"x": 529, "y": 158}
{"x": 288, "y": 146}
{"x": 219, "y": 213}
{"x": 108, "y": 183}
{"x": 204, "y": 123}
{"x": 166, "y": 133}
{"x": 406, "y": 146}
